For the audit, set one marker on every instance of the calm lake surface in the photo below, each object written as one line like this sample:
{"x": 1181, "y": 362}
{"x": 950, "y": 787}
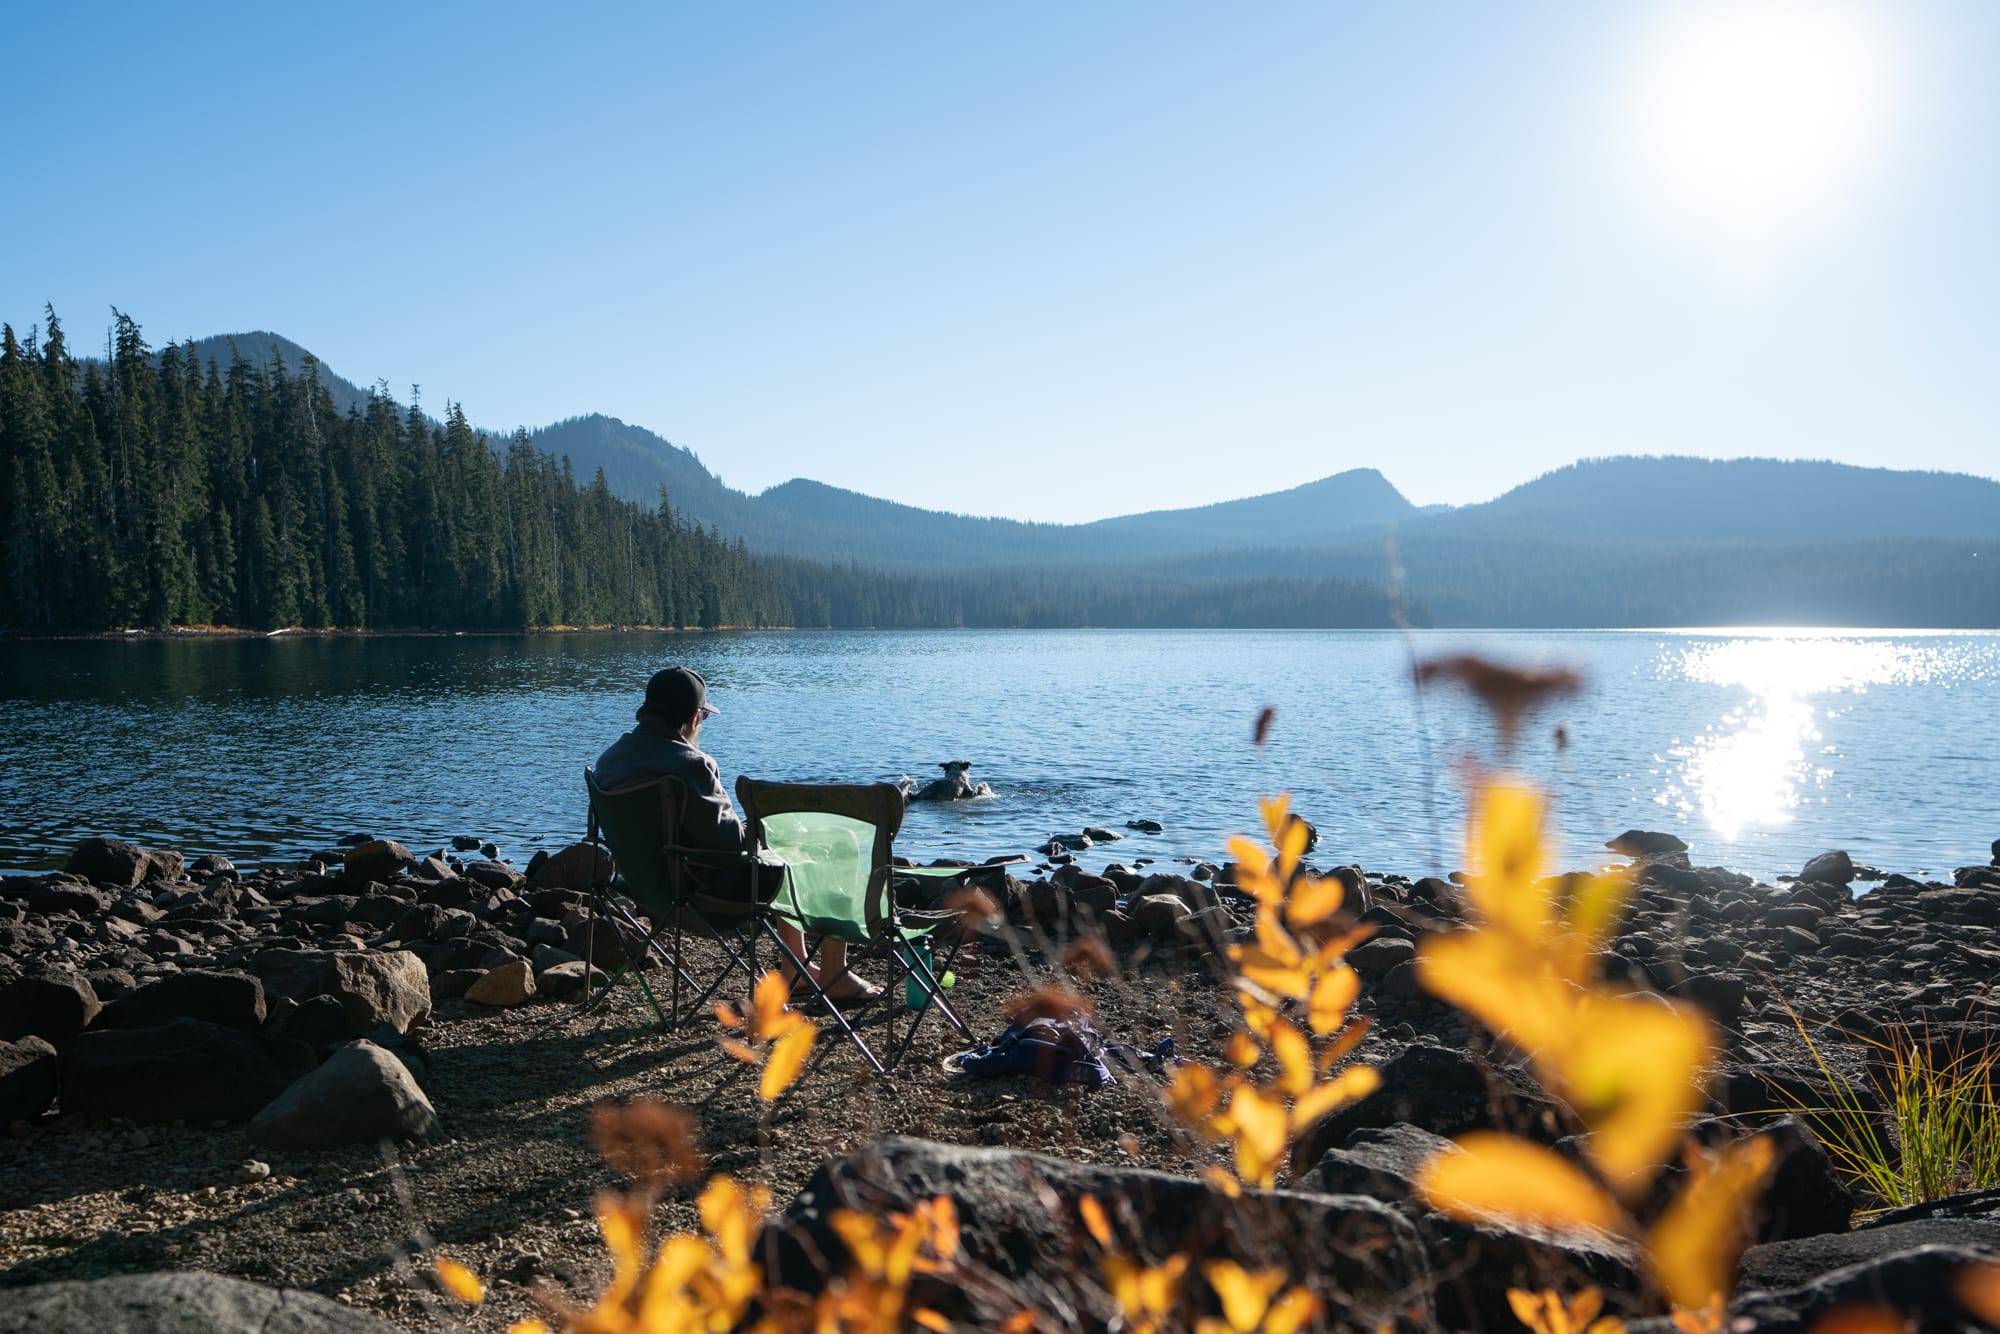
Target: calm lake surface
{"x": 1759, "y": 749}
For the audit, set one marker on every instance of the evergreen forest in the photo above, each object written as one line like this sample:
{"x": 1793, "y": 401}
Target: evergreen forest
{"x": 146, "y": 489}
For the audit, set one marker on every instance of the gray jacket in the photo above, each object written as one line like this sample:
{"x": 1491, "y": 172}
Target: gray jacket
{"x": 652, "y": 750}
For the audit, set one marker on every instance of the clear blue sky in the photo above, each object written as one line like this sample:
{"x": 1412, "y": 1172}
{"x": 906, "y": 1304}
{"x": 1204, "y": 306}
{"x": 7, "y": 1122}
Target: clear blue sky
{"x": 1049, "y": 260}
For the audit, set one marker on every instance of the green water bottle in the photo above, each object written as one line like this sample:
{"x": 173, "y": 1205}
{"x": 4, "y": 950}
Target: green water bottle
{"x": 915, "y": 995}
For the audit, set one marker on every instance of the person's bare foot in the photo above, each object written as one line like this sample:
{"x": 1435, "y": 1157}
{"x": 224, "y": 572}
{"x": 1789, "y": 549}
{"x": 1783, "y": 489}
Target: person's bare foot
{"x": 852, "y": 989}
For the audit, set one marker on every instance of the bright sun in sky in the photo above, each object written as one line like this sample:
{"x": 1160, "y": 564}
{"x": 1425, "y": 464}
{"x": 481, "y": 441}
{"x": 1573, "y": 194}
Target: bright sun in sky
{"x": 1751, "y": 119}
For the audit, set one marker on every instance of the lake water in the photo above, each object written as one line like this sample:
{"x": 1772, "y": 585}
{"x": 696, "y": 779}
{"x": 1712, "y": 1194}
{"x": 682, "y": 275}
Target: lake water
{"x": 1759, "y": 749}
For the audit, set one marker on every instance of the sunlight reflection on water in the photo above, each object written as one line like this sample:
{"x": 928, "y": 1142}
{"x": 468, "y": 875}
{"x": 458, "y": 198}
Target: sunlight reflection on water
{"x": 1754, "y": 768}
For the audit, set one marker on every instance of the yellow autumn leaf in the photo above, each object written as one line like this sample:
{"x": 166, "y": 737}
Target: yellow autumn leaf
{"x": 1018, "y": 1323}
{"x": 1221, "y": 1182}
{"x": 1489, "y": 1175}
{"x": 1192, "y": 1095}
{"x": 1294, "y": 1055}
{"x": 459, "y": 1281}
{"x": 1631, "y": 1069}
{"x": 1350, "y": 1085}
{"x": 1595, "y": 908}
{"x": 788, "y": 1057}
{"x": 770, "y": 1016}
{"x": 1348, "y": 1040}
{"x": 681, "y": 1257}
{"x": 1241, "y": 1050}
{"x": 1290, "y": 1312}
{"x": 1312, "y": 900}
{"x": 622, "y": 1226}
{"x": 1261, "y": 1133}
{"x": 1291, "y": 845}
{"x": 1244, "y": 1294}
{"x": 1094, "y": 1220}
{"x": 528, "y": 1326}
{"x": 930, "y": 1319}
{"x": 742, "y": 1051}
{"x": 1694, "y": 1245}
{"x": 1276, "y": 812}
{"x": 1332, "y": 996}
{"x": 1506, "y": 849}
{"x": 1486, "y": 975}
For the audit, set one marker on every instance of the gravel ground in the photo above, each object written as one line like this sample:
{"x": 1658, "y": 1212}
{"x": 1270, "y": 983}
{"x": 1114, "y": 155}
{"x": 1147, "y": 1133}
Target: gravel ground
{"x": 507, "y": 1188}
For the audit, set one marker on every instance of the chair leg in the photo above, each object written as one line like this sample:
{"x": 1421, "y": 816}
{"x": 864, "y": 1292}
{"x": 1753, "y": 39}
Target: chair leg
{"x": 929, "y": 980}
{"x": 826, "y": 1001}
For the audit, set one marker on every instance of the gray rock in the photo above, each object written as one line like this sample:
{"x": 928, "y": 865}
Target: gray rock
{"x": 1159, "y": 915}
{"x": 508, "y": 985}
{"x": 1376, "y": 957}
{"x": 1794, "y": 1264}
{"x": 1018, "y": 1220}
{"x": 1642, "y": 843}
{"x": 176, "y": 1304}
{"x": 362, "y": 1094}
{"x": 376, "y": 859}
{"x": 113, "y": 862}
{"x": 28, "y": 1079}
{"x": 567, "y": 979}
{"x": 186, "y": 1070}
{"x": 1379, "y": 1162}
{"x": 1829, "y": 868}
{"x": 1439, "y": 1089}
{"x": 54, "y": 1006}
{"x": 377, "y": 987}
{"x": 235, "y": 999}
{"x": 578, "y": 867}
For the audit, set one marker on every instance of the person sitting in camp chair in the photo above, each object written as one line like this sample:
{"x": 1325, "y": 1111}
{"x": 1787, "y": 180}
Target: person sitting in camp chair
{"x": 667, "y": 743}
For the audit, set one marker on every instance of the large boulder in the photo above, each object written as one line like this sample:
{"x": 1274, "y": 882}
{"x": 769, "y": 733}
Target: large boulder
{"x": 578, "y": 867}
{"x": 234, "y": 999}
{"x": 1829, "y": 868}
{"x": 120, "y": 865}
{"x": 1380, "y": 1162}
{"x": 508, "y": 985}
{"x": 176, "y": 1304}
{"x": 362, "y": 1094}
{"x": 1443, "y": 1090}
{"x": 55, "y": 1006}
{"x": 1018, "y": 1220}
{"x": 1916, "y": 1284}
{"x": 377, "y": 859}
{"x": 376, "y": 986}
{"x": 187, "y": 1070}
{"x": 1781, "y": 1265}
{"x": 28, "y": 1071}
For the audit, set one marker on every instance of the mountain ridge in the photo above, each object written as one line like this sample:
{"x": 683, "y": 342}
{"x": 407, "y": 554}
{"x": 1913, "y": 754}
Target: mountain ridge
{"x": 1623, "y": 499}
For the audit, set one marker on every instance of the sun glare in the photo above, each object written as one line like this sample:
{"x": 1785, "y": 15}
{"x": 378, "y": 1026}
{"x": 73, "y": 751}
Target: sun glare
{"x": 1751, "y": 119}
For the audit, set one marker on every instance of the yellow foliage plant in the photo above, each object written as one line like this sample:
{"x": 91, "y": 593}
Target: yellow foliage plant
{"x": 784, "y": 1037}
{"x": 1629, "y": 1067}
{"x": 1293, "y": 970}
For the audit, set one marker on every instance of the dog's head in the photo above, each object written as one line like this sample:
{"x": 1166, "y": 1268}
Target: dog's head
{"x": 955, "y": 768}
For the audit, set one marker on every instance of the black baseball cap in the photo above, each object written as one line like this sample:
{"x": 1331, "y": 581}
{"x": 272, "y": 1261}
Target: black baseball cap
{"x": 674, "y": 693}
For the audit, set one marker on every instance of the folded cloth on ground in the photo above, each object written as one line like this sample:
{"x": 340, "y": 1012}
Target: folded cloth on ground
{"x": 1058, "y": 1051}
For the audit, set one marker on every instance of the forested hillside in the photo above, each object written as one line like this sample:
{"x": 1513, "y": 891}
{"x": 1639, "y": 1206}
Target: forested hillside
{"x": 158, "y": 489}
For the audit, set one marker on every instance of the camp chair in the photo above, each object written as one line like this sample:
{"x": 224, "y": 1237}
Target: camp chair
{"x": 836, "y": 843}
{"x": 640, "y": 824}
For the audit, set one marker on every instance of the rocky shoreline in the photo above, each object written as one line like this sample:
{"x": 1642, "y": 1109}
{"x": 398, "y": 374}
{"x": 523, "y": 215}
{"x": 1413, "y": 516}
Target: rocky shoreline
{"x": 309, "y": 1077}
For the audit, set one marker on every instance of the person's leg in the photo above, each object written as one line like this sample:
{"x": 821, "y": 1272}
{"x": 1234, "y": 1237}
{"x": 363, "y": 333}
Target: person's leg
{"x": 795, "y": 941}
{"x": 833, "y": 975}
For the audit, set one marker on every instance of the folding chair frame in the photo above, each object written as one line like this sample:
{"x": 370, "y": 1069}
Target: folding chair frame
{"x": 879, "y": 805}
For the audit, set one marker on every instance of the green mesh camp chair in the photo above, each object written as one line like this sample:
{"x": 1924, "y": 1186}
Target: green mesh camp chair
{"x": 836, "y": 842}
{"x": 669, "y": 882}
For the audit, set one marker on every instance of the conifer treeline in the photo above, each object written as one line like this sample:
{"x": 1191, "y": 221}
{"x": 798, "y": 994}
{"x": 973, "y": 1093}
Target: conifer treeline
{"x": 153, "y": 490}
{"x": 150, "y": 490}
